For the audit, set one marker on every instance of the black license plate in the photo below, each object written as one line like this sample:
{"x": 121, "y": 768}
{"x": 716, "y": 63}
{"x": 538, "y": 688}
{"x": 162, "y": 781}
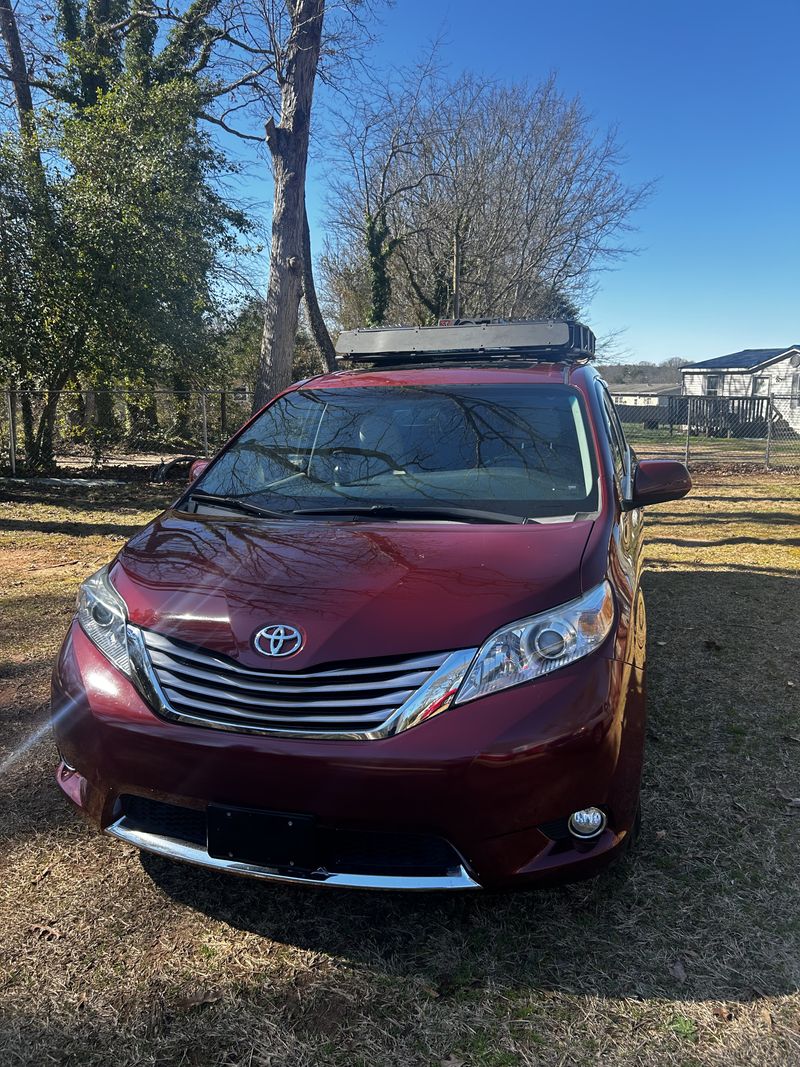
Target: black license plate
{"x": 264, "y": 838}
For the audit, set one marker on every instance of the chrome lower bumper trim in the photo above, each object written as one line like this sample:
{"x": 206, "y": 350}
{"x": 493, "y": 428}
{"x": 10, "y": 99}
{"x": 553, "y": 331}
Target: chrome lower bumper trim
{"x": 188, "y": 852}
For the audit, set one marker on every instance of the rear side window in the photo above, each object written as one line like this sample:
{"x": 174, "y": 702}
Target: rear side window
{"x": 616, "y": 436}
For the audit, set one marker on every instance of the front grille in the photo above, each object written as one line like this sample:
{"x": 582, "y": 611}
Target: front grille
{"x": 166, "y": 820}
{"x": 336, "y": 848}
{"x": 208, "y": 688}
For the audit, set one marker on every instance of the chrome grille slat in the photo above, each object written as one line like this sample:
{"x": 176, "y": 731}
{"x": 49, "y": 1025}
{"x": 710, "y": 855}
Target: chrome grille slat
{"x": 205, "y": 687}
{"x": 165, "y": 662}
{"x": 193, "y": 704}
{"x": 202, "y": 656}
{"x": 393, "y": 699}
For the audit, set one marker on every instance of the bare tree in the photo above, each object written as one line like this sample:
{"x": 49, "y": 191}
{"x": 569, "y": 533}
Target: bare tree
{"x": 316, "y": 320}
{"x": 295, "y": 69}
{"x": 16, "y": 71}
{"x": 502, "y": 201}
{"x": 380, "y": 148}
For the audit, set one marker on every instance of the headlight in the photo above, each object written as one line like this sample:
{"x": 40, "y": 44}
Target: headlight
{"x": 540, "y": 644}
{"x": 104, "y": 617}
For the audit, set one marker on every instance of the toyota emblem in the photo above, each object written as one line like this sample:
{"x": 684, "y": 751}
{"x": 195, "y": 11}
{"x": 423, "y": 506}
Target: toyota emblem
{"x": 278, "y": 640}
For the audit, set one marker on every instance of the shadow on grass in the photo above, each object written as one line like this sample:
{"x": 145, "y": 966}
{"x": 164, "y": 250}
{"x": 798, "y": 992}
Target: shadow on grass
{"x": 728, "y": 518}
{"x": 683, "y": 542}
{"x": 70, "y": 529}
{"x": 80, "y": 498}
{"x": 703, "y": 908}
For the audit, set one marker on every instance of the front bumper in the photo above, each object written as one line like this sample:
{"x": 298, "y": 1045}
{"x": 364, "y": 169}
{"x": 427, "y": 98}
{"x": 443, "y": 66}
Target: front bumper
{"x": 490, "y": 778}
{"x": 190, "y": 852}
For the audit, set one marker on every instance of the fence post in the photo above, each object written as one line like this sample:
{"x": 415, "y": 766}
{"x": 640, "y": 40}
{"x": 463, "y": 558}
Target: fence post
{"x": 11, "y": 403}
{"x": 205, "y": 422}
{"x": 769, "y": 434}
{"x": 688, "y": 427}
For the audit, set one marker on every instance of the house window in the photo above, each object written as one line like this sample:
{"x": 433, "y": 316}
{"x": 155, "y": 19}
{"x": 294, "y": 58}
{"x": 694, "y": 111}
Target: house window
{"x": 795, "y": 398}
{"x": 713, "y": 384}
{"x": 761, "y": 386}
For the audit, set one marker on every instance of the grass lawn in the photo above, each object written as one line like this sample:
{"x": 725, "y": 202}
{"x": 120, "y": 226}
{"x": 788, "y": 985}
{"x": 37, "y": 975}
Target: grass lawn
{"x": 687, "y": 953}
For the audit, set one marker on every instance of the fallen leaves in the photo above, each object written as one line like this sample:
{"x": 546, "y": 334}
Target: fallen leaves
{"x": 792, "y": 803}
{"x": 45, "y": 933}
{"x": 724, "y": 1013}
{"x": 57, "y": 566}
{"x": 198, "y": 999}
{"x": 678, "y": 971}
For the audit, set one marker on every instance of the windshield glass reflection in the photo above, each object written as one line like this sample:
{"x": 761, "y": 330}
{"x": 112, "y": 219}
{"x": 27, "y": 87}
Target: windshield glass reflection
{"x": 507, "y": 448}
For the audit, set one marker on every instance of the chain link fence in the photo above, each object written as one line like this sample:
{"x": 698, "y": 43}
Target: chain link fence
{"x": 76, "y": 429}
{"x": 715, "y": 431}
{"x": 139, "y": 430}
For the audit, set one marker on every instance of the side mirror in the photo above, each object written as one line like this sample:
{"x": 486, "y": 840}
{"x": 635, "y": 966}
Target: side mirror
{"x": 658, "y": 480}
{"x": 197, "y": 469}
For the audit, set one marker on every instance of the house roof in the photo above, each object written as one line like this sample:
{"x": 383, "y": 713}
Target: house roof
{"x": 749, "y": 359}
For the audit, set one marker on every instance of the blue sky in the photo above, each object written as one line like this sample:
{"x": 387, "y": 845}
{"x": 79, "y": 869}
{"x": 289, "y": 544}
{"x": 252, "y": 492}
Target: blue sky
{"x": 707, "y": 99}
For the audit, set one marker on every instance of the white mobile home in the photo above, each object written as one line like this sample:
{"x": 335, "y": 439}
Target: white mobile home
{"x": 755, "y": 372}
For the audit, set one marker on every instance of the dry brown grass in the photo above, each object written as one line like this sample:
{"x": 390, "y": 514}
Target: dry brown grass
{"x": 688, "y": 953}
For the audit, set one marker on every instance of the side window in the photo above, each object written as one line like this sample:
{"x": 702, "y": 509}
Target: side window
{"x": 761, "y": 386}
{"x": 616, "y": 436}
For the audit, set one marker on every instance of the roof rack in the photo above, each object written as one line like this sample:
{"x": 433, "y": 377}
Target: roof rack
{"x": 468, "y": 340}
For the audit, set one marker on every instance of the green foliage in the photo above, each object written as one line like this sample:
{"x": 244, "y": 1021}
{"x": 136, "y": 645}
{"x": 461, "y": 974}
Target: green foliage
{"x": 114, "y": 237}
{"x": 112, "y": 252}
{"x": 237, "y": 342}
{"x": 147, "y": 229}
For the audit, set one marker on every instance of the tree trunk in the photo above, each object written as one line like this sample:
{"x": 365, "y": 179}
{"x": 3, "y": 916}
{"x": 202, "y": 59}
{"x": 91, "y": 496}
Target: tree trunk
{"x": 288, "y": 145}
{"x": 223, "y": 414}
{"x": 46, "y": 460}
{"x": 142, "y": 417}
{"x": 456, "y": 274}
{"x": 39, "y": 428}
{"x": 23, "y": 99}
{"x": 315, "y": 319}
{"x": 28, "y": 428}
{"x": 18, "y": 68}
{"x": 182, "y": 432}
{"x": 380, "y": 247}
{"x": 40, "y": 432}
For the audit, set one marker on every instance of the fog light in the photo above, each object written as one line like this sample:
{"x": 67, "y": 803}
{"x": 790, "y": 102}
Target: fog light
{"x": 588, "y": 822}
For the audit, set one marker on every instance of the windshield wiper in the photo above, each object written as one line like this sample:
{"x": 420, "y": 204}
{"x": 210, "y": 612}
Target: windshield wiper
{"x": 389, "y": 511}
{"x": 235, "y": 504}
{"x": 393, "y": 511}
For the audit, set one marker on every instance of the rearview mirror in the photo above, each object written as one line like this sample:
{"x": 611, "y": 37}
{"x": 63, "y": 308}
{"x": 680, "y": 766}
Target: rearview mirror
{"x": 657, "y": 481}
{"x": 197, "y": 469}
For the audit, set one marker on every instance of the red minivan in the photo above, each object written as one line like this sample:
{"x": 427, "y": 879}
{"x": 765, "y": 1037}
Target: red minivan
{"x": 392, "y": 636}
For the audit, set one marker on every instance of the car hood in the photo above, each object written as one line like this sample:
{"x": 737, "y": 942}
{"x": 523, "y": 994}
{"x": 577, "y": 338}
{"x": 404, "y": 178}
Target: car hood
{"x": 355, "y": 589}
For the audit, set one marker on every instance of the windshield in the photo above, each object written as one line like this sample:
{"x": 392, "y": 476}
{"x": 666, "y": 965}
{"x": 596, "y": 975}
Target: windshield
{"x": 517, "y": 449}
